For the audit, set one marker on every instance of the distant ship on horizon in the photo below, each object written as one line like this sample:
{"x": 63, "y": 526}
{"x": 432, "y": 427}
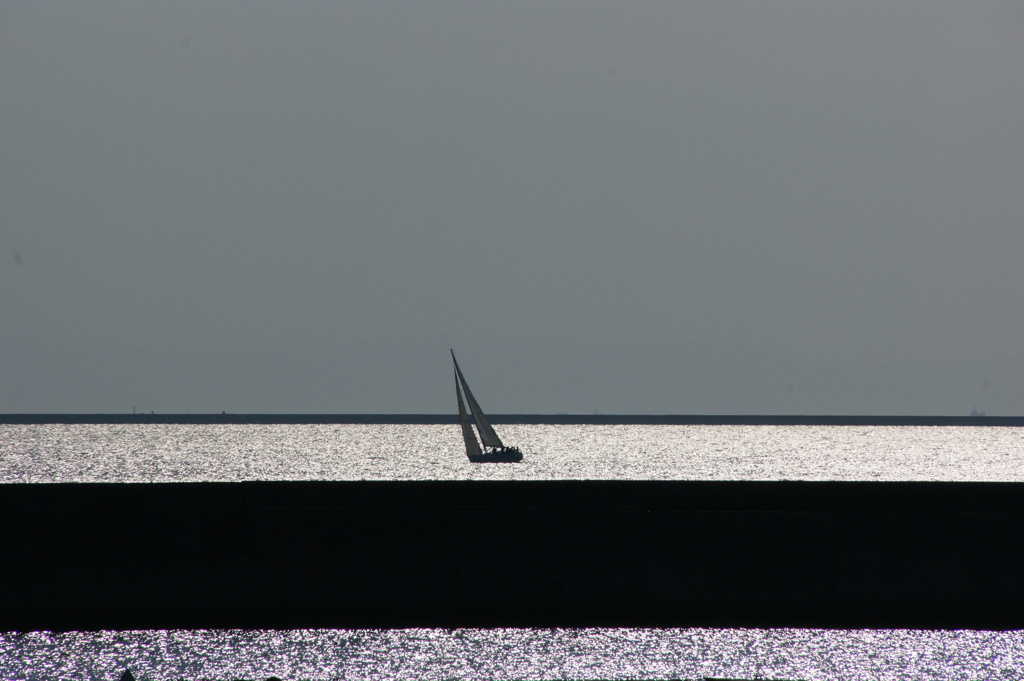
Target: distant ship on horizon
{"x": 494, "y": 450}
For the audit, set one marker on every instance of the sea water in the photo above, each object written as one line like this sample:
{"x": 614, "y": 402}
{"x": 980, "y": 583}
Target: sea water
{"x": 231, "y": 453}
{"x": 164, "y": 453}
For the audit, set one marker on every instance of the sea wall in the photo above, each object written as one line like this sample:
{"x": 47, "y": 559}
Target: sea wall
{"x": 532, "y": 554}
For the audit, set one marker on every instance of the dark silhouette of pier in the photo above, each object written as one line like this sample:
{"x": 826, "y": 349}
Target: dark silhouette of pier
{"x": 534, "y": 554}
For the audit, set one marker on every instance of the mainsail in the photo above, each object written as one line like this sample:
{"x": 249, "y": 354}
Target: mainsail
{"x": 472, "y": 446}
{"x": 487, "y": 434}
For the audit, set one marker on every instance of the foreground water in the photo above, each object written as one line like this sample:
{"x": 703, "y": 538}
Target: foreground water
{"x": 167, "y": 453}
{"x": 807, "y": 654}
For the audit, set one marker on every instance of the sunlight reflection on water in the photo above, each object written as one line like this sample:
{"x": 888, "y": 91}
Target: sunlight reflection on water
{"x": 809, "y": 654}
{"x": 180, "y": 453}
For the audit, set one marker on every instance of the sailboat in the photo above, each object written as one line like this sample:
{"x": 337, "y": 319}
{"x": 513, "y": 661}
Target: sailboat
{"x": 493, "y": 451}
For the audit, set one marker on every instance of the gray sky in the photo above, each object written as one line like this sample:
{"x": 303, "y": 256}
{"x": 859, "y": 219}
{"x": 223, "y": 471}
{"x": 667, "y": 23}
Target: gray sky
{"x": 838, "y": 183}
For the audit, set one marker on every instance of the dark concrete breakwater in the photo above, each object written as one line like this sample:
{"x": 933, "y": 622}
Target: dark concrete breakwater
{"x": 569, "y": 419}
{"x": 525, "y": 554}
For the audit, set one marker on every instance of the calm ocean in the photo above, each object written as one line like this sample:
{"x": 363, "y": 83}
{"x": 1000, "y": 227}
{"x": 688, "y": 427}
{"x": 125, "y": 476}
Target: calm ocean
{"x": 165, "y": 453}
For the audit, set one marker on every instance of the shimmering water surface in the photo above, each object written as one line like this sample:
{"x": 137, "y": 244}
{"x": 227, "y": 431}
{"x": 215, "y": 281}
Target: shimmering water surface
{"x": 167, "y": 453}
{"x": 808, "y": 654}
{"x": 179, "y": 453}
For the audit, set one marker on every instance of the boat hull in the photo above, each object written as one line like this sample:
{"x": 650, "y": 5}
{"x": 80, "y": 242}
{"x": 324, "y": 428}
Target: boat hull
{"x": 506, "y": 455}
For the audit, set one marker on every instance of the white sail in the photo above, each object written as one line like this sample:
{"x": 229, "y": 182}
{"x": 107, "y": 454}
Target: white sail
{"x": 472, "y": 446}
{"x": 487, "y": 434}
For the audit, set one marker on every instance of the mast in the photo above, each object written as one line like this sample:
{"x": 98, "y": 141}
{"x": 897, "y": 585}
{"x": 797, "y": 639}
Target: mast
{"x": 487, "y": 434}
{"x": 472, "y": 446}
